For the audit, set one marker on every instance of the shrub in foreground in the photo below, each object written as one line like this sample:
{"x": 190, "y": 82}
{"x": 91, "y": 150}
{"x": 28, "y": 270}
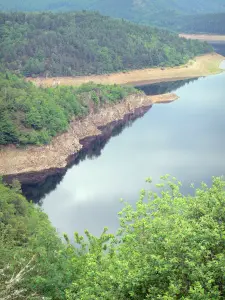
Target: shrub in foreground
{"x": 170, "y": 246}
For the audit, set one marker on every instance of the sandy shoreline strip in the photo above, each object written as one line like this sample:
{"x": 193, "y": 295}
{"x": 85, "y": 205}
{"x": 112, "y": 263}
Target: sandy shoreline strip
{"x": 164, "y": 98}
{"x": 204, "y": 37}
{"x": 200, "y": 66}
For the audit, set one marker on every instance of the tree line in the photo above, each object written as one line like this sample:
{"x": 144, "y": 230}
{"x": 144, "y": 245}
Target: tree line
{"x": 69, "y": 44}
{"x": 32, "y": 115}
{"x": 170, "y": 246}
{"x": 168, "y": 14}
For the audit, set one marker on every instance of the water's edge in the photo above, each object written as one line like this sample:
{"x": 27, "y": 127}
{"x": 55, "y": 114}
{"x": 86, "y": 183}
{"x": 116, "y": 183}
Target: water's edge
{"x": 91, "y": 146}
{"x": 15, "y": 160}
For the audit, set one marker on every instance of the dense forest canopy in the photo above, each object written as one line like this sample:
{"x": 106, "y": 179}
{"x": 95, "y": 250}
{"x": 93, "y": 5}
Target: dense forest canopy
{"x": 86, "y": 43}
{"x": 170, "y": 246}
{"x": 48, "y": 44}
{"x": 32, "y": 115}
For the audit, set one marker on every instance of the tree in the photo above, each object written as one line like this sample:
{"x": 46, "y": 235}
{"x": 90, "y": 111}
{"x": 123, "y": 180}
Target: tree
{"x": 170, "y": 247}
{"x": 32, "y": 115}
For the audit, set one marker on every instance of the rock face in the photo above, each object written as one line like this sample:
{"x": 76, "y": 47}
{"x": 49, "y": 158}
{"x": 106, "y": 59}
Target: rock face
{"x": 56, "y": 155}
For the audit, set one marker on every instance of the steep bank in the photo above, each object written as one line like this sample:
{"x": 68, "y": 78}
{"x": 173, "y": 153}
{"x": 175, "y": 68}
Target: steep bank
{"x": 200, "y": 66}
{"x": 33, "y": 116}
{"x": 92, "y": 147}
{"x": 55, "y": 155}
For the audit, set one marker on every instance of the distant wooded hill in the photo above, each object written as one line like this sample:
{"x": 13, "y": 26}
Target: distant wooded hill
{"x": 83, "y": 43}
{"x": 163, "y": 13}
{"x": 210, "y": 23}
{"x": 126, "y": 8}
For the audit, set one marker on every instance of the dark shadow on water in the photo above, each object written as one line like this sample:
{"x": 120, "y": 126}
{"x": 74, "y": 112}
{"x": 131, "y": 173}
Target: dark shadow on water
{"x": 36, "y": 185}
{"x": 163, "y": 87}
{"x": 219, "y": 47}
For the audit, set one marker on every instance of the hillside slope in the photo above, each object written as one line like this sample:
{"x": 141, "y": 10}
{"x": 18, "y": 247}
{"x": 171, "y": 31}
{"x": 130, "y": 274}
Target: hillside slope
{"x": 118, "y": 8}
{"x": 85, "y": 43}
{"x": 168, "y": 14}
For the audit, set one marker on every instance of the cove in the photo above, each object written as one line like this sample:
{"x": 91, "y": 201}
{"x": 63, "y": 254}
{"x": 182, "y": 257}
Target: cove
{"x": 184, "y": 138}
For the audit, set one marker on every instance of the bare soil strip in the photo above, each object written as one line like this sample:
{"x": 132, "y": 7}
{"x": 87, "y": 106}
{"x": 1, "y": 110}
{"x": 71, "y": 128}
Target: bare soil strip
{"x": 164, "y": 98}
{"x": 204, "y": 37}
{"x": 200, "y": 66}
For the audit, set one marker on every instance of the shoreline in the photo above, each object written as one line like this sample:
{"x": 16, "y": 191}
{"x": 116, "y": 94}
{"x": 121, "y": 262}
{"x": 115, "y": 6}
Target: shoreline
{"x": 163, "y": 98}
{"x": 14, "y": 161}
{"x": 91, "y": 145}
{"x": 200, "y": 66}
{"x": 204, "y": 37}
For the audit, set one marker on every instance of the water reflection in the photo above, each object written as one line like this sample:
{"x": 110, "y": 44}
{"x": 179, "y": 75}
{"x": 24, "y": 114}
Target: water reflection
{"x": 185, "y": 138}
{"x": 35, "y": 189}
{"x": 163, "y": 87}
{"x": 37, "y": 186}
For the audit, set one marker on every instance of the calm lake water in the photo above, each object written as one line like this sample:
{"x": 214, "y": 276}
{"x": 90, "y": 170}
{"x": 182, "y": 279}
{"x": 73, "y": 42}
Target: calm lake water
{"x": 184, "y": 138}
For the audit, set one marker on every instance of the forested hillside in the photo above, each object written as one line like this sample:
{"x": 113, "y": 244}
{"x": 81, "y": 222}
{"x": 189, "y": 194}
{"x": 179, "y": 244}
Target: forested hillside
{"x": 170, "y": 246}
{"x": 32, "y": 115}
{"x": 33, "y": 260}
{"x": 83, "y": 43}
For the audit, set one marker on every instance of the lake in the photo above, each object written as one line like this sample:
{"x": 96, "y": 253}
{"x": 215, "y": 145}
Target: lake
{"x": 184, "y": 138}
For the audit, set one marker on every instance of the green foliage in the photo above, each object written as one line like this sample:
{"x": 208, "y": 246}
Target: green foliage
{"x": 69, "y": 44}
{"x": 31, "y": 115}
{"x": 169, "y": 246}
{"x": 26, "y": 237}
